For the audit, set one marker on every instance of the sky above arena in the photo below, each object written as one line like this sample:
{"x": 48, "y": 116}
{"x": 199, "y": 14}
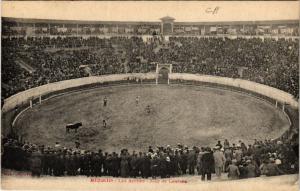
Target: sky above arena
{"x": 190, "y": 11}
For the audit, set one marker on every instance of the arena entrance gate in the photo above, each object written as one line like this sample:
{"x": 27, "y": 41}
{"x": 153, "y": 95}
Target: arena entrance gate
{"x": 162, "y": 73}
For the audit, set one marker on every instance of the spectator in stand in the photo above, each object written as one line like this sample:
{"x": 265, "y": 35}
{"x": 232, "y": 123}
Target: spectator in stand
{"x": 271, "y": 62}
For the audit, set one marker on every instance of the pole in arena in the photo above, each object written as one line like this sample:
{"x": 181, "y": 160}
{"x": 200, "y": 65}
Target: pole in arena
{"x": 40, "y": 99}
{"x": 156, "y": 79}
{"x": 30, "y": 102}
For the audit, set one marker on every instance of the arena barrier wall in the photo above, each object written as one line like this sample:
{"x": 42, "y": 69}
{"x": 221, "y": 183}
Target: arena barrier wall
{"x": 22, "y": 98}
{"x": 265, "y": 90}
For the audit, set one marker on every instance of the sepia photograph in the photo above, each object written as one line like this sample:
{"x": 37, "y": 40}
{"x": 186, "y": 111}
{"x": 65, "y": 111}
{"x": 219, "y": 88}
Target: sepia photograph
{"x": 150, "y": 95}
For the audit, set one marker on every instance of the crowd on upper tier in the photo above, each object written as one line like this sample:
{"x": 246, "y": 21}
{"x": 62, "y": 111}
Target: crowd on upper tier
{"x": 237, "y": 161}
{"x": 36, "y": 61}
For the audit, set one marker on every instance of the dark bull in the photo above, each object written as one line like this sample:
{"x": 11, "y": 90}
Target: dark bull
{"x": 73, "y": 126}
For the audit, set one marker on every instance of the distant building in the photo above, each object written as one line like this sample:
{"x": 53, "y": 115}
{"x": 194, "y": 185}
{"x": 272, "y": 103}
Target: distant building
{"x": 167, "y": 26}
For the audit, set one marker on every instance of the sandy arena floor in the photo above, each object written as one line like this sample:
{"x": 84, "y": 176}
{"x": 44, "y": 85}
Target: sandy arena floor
{"x": 189, "y": 115}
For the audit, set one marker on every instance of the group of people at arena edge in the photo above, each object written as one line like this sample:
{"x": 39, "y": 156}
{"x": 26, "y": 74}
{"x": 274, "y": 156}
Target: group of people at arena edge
{"x": 268, "y": 157}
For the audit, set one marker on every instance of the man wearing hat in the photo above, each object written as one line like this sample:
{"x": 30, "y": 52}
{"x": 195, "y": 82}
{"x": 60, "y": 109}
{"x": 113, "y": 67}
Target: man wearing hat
{"x": 169, "y": 167}
{"x": 191, "y": 161}
{"x": 150, "y": 149}
{"x": 175, "y": 163}
{"x": 46, "y": 161}
{"x": 134, "y": 165}
{"x": 74, "y": 163}
{"x": 57, "y": 145}
{"x": 36, "y": 162}
{"x": 207, "y": 161}
{"x": 154, "y": 165}
{"x": 179, "y": 146}
{"x": 233, "y": 170}
{"x": 219, "y": 159}
{"x": 199, "y": 164}
{"x": 228, "y": 156}
{"x": 238, "y": 153}
{"x": 272, "y": 169}
{"x": 115, "y": 164}
{"x": 68, "y": 163}
{"x": 226, "y": 144}
{"x": 183, "y": 161}
{"x": 145, "y": 165}
{"x": 124, "y": 165}
{"x": 250, "y": 169}
{"x": 219, "y": 144}
{"x": 52, "y": 161}
{"x": 162, "y": 169}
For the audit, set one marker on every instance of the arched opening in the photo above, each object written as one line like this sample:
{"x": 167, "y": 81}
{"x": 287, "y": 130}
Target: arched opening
{"x": 167, "y": 28}
{"x": 163, "y": 76}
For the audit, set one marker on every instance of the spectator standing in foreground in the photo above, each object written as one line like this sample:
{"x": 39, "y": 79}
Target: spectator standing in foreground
{"x": 207, "y": 161}
{"x": 219, "y": 144}
{"x": 250, "y": 169}
{"x": 226, "y": 144}
{"x": 199, "y": 164}
{"x": 272, "y": 168}
{"x": 228, "y": 157}
{"x": 191, "y": 159}
{"x": 233, "y": 170}
{"x": 219, "y": 159}
{"x": 36, "y": 163}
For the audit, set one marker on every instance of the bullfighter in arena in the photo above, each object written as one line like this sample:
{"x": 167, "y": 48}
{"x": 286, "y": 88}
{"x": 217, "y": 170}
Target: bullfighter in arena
{"x": 148, "y": 109}
{"x": 105, "y": 101}
{"x": 137, "y": 100}
{"x": 104, "y": 123}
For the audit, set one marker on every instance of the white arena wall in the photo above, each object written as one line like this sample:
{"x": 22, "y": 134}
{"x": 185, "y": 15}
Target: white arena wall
{"x": 24, "y": 97}
{"x": 265, "y": 90}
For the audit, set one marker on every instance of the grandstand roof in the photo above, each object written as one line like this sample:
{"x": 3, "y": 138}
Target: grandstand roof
{"x": 48, "y": 21}
{"x": 54, "y": 21}
{"x": 273, "y": 22}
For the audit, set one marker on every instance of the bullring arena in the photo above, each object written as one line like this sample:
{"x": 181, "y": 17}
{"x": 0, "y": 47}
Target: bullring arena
{"x": 208, "y": 112}
{"x": 194, "y": 115}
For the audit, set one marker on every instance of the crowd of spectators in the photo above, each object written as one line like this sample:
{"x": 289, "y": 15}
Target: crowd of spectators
{"x": 269, "y": 61}
{"x": 269, "y": 157}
